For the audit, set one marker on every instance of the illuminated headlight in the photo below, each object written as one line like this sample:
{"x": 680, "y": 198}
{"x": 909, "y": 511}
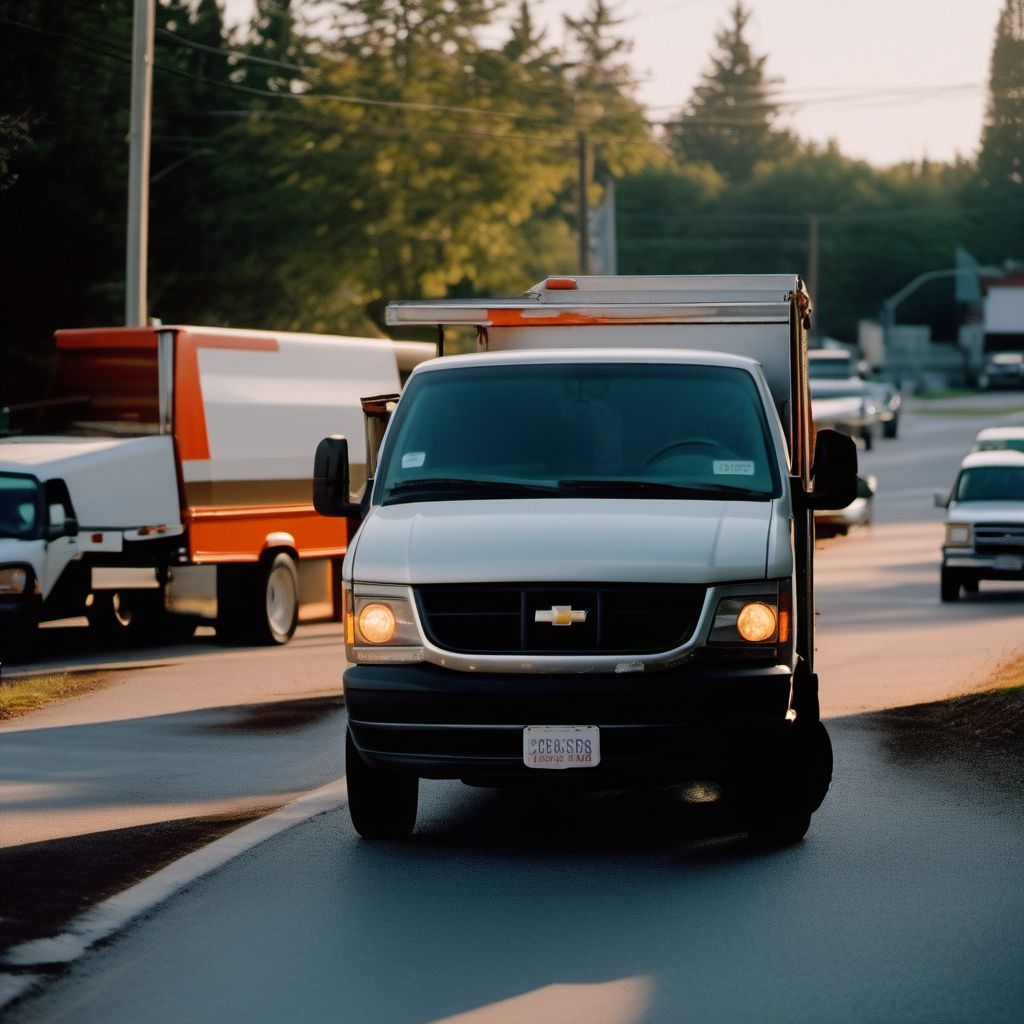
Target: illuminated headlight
{"x": 376, "y": 623}
{"x": 959, "y": 535}
{"x": 13, "y": 581}
{"x": 756, "y": 622}
{"x": 380, "y": 625}
{"x": 759, "y": 619}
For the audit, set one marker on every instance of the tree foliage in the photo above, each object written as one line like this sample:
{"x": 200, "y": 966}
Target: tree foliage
{"x": 729, "y": 121}
{"x": 328, "y": 157}
{"x": 1001, "y": 160}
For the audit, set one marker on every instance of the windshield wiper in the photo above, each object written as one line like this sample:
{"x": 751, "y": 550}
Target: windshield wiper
{"x": 653, "y": 488}
{"x": 408, "y": 490}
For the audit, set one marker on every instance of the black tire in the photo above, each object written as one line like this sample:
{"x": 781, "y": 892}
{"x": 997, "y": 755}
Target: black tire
{"x": 136, "y": 617}
{"x": 382, "y": 805}
{"x": 129, "y": 616}
{"x": 949, "y": 586}
{"x": 18, "y": 639}
{"x": 892, "y": 428}
{"x": 258, "y": 604}
{"x": 788, "y": 787}
{"x": 869, "y": 440}
{"x": 970, "y": 586}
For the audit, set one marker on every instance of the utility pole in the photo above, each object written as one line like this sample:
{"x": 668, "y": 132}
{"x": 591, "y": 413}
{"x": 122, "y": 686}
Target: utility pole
{"x": 583, "y": 209}
{"x": 136, "y": 313}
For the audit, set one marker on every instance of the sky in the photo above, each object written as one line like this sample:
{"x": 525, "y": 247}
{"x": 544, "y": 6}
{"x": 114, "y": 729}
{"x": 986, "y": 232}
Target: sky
{"x": 888, "y": 80}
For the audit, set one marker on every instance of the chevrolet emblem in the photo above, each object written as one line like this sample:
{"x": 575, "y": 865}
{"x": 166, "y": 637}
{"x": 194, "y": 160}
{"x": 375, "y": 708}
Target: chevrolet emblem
{"x": 560, "y": 615}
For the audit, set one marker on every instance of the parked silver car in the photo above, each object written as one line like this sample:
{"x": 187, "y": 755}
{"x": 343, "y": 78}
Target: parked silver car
{"x": 849, "y": 406}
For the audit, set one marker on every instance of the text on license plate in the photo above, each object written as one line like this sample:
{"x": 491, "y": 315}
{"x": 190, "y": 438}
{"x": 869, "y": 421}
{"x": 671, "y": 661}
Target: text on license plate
{"x": 561, "y": 746}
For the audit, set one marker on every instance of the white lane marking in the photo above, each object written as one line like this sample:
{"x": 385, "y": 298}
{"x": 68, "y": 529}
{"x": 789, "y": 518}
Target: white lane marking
{"x": 110, "y": 916}
{"x": 14, "y": 986}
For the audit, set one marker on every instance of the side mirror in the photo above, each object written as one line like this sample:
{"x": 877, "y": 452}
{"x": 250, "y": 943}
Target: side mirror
{"x": 834, "y": 471}
{"x": 331, "y": 479}
{"x": 940, "y": 499}
{"x": 59, "y": 523}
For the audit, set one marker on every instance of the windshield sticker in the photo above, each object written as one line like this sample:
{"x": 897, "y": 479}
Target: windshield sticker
{"x": 413, "y": 460}
{"x": 732, "y": 467}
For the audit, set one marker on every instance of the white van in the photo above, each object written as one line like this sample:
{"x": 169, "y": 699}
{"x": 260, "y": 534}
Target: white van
{"x": 587, "y": 551}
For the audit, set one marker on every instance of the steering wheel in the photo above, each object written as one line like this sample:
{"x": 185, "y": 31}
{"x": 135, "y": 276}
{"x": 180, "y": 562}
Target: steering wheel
{"x": 691, "y": 442}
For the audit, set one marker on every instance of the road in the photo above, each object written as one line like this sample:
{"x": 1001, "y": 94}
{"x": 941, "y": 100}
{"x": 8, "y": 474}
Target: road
{"x": 903, "y": 904}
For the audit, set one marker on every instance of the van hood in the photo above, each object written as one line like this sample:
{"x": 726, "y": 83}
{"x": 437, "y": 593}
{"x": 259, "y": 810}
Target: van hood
{"x": 571, "y": 539}
{"x": 982, "y": 512}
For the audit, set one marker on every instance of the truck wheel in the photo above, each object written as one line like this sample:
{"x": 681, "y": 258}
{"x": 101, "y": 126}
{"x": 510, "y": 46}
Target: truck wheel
{"x": 789, "y": 785}
{"x": 949, "y": 586}
{"x": 124, "y": 616}
{"x": 278, "y": 612}
{"x": 137, "y": 617}
{"x": 258, "y": 604}
{"x": 19, "y": 637}
{"x": 869, "y": 440}
{"x": 892, "y": 428}
{"x": 382, "y": 806}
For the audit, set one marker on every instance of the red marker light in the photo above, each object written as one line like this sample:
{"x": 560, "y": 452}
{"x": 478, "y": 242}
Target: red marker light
{"x": 559, "y": 284}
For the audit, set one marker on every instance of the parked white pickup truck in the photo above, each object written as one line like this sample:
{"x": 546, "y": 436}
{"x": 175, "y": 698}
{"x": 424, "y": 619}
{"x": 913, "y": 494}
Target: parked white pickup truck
{"x": 586, "y": 554}
{"x": 984, "y": 522}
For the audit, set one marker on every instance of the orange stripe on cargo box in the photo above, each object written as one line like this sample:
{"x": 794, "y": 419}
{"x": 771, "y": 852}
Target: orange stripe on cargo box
{"x": 240, "y": 534}
{"x": 107, "y": 337}
{"x": 567, "y": 318}
{"x": 189, "y": 414}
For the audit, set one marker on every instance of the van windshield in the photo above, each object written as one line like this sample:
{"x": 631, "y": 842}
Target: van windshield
{"x": 19, "y": 506}
{"x": 991, "y": 483}
{"x": 579, "y": 429}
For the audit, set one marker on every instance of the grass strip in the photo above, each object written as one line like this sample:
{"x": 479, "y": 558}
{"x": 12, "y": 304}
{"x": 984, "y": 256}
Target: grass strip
{"x": 28, "y": 693}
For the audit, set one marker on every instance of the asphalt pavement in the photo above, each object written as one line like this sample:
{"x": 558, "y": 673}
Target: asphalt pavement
{"x": 903, "y": 904}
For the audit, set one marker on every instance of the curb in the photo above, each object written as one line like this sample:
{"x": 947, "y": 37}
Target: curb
{"x": 112, "y": 915}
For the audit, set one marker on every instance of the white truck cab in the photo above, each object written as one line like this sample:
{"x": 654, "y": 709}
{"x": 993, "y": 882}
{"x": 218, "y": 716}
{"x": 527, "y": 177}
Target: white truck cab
{"x": 585, "y": 551}
{"x": 984, "y": 522}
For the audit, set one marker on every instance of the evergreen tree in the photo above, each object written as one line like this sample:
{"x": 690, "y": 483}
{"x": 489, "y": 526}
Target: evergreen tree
{"x": 1001, "y": 160}
{"x": 603, "y": 88}
{"x": 273, "y": 37}
{"x": 729, "y": 121}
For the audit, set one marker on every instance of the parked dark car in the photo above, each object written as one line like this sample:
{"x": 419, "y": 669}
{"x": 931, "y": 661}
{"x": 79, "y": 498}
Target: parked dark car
{"x": 1002, "y": 370}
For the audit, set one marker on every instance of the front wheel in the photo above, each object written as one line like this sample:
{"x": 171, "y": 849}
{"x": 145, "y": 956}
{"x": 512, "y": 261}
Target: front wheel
{"x": 788, "y": 787}
{"x": 382, "y": 805}
{"x": 949, "y": 586}
{"x": 892, "y": 428}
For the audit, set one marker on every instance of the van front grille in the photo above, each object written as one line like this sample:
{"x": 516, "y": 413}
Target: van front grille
{"x": 999, "y": 538}
{"x": 608, "y": 619}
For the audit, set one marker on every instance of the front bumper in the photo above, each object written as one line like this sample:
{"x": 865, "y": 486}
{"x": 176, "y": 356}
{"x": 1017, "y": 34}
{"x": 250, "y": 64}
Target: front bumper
{"x": 692, "y": 722}
{"x": 988, "y": 567}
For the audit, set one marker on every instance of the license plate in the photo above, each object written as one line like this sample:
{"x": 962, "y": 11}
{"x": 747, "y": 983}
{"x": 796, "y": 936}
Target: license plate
{"x": 561, "y": 746}
{"x": 1010, "y": 563}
